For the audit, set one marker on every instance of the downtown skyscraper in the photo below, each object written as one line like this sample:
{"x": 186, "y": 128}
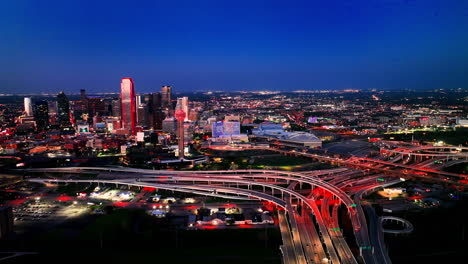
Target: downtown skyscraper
{"x": 63, "y": 111}
{"x": 180, "y": 115}
{"x": 155, "y": 113}
{"x": 185, "y": 107}
{"x": 128, "y": 105}
{"x": 166, "y": 99}
{"x": 28, "y": 109}
{"x": 42, "y": 115}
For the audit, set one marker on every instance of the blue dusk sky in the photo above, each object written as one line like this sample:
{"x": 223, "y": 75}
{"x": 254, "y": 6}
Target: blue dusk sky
{"x": 67, "y": 45}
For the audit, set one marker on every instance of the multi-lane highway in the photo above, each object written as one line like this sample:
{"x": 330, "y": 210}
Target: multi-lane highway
{"x": 310, "y": 245}
{"x": 310, "y": 201}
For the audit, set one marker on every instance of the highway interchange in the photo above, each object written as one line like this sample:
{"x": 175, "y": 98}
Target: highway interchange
{"x": 308, "y": 202}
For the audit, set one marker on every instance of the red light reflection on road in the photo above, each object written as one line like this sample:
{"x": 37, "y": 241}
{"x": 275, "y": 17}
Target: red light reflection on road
{"x": 17, "y": 202}
{"x": 208, "y": 227}
{"x": 121, "y": 204}
{"x": 63, "y": 198}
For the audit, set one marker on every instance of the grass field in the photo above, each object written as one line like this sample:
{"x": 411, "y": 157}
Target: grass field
{"x": 255, "y": 159}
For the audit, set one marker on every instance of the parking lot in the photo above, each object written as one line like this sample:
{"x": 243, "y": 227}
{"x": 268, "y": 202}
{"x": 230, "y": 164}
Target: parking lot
{"x": 46, "y": 212}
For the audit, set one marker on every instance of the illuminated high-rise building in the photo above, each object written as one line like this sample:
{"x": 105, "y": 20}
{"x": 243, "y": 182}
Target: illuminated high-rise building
{"x": 41, "y": 115}
{"x": 115, "y": 107}
{"x": 154, "y": 108}
{"x": 53, "y": 109}
{"x": 158, "y": 114}
{"x": 28, "y": 106}
{"x": 157, "y": 101}
{"x": 148, "y": 101}
{"x": 143, "y": 115}
{"x": 166, "y": 98}
{"x": 185, "y": 107}
{"x": 96, "y": 106}
{"x": 180, "y": 115}
{"x": 139, "y": 100}
{"x": 63, "y": 110}
{"x": 128, "y": 104}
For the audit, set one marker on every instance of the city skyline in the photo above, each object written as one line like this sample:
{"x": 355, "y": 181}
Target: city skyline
{"x": 322, "y": 165}
{"x": 220, "y": 46}
{"x": 267, "y": 131}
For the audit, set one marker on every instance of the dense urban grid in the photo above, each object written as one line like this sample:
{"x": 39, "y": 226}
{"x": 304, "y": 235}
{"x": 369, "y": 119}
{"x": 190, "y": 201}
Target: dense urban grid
{"x": 339, "y": 176}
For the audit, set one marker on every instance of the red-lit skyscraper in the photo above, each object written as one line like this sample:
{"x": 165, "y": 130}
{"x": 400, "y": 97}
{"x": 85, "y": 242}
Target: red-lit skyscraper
{"x": 128, "y": 104}
{"x": 180, "y": 116}
{"x": 185, "y": 107}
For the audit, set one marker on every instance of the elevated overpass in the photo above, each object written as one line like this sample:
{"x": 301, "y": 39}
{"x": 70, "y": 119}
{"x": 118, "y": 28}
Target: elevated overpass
{"x": 221, "y": 184}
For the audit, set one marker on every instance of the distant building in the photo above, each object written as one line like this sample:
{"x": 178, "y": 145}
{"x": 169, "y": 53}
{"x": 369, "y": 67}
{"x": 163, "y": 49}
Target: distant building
{"x": 431, "y": 121}
{"x": 83, "y": 94}
{"x": 27, "y": 124}
{"x": 80, "y": 110}
{"x": 240, "y": 138}
{"x": 188, "y": 132}
{"x": 52, "y": 107}
{"x": 112, "y": 124}
{"x": 247, "y": 120}
{"x": 232, "y": 118}
{"x": 231, "y": 128}
{"x": 169, "y": 125}
{"x": 128, "y": 104}
{"x": 96, "y": 106}
{"x": 26, "y": 120}
{"x": 140, "y": 136}
{"x": 193, "y": 115}
{"x": 217, "y": 129}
